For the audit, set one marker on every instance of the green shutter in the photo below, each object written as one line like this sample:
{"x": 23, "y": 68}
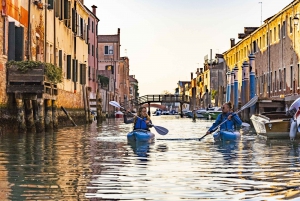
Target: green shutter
{"x": 50, "y": 4}
{"x": 19, "y": 52}
{"x": 11, "y": 41}
{"x": 68, "y": 66}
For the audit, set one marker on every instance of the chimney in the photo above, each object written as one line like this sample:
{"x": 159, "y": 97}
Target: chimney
{"x": 118, "y": 31}
{"x": 232, "y": 42}
{"x": 191, "y": 75}
{"x": 94, "y": 9}
{"x": 201, "y": 70}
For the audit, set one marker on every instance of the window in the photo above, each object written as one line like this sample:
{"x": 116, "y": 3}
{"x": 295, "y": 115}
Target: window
{"x": 284, "y": 79}
{"x": 271, "y": 81}
{"x": 278, "y": 31}
{"x": 93, "y": 51}
{"x": 275, "y": 83}
{"x": 279, "y": 73}
{"x": 291, "y": 25}
{"x": 283, "y": 29}
{"x": 298, "y": 75}
{"x": 291, "y": 83}
{"x": 274, "y": 34}
{"x": 254, "y": 46}
{"x": 108, "y": 50}
{"x": 271, "y": 37}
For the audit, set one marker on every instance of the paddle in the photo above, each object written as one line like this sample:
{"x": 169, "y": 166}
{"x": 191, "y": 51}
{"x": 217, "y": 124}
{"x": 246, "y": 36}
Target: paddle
{"x": 159, "y": 129}
{"x": 247, "y": 105}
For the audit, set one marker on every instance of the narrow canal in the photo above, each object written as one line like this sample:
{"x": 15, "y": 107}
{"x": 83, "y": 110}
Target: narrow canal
{"x": 94, "y": 162}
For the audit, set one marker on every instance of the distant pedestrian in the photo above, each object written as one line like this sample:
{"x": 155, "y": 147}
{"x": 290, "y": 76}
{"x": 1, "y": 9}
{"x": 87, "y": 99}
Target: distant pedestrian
{"x": 194, "y": 116}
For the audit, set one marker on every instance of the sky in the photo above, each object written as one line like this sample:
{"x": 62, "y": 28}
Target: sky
{"x": 167, "y": 40}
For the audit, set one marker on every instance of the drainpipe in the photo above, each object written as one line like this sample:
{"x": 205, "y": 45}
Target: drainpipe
{"x": 45, "y": 34}
{"x": 54, "y": 35}
{"x": 252, "y": 81}
{"x": 29, "y": 32}
{"x": 269, "y": 68}
{"x": 236, "y": 89}
{"x": 228, "y": 86}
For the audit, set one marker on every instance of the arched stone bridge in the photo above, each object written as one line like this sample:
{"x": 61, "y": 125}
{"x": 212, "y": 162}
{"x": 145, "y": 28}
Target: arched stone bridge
{"x": 162, "y": 107}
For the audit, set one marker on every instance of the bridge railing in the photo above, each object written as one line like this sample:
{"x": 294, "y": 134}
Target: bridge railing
{"x": 161, "y": 98}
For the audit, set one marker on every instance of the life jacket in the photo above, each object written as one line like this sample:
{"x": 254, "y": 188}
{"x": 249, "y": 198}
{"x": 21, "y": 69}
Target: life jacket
{"x": 141, "y": 124}
{"x": 229, "y": 125}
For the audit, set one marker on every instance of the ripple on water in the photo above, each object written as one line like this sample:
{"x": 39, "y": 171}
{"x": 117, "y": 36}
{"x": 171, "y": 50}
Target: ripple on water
{"x": 95, "y": 162}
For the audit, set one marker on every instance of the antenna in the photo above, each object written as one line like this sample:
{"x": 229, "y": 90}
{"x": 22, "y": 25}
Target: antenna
{"x": 260, "y": 12}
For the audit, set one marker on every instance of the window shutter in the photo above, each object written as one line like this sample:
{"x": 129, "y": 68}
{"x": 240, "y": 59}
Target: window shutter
{"x": 73, "y": 20}
{"x": 57, "y": 8}
{"x": 11, "y": 41}
{"x": 60, "y": 58}
{"x": 51, "y": 4}
{"x": 60, "y": 11}
{"x": 66, "y": 9}
{"x": 82, "y": 74}
{"x": 19, "y": 54}
{"x": 74, "y": 70}
{"x": 68, "y": 66}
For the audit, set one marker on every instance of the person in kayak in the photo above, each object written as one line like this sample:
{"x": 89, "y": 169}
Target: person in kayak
{"x": 233, "y": 122}
{"x": 141, "y": 121}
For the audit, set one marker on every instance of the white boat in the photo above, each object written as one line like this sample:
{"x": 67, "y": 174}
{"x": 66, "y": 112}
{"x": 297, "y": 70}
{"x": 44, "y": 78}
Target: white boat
{"x": 278, "y": 124}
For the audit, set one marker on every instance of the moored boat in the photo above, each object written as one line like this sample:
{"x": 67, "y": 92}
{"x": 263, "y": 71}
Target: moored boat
{"x": 212, "y": 113}
{"x": 226, "y": 135}
{"x": 274, "y": 125}
{"x": 140, "y": 135}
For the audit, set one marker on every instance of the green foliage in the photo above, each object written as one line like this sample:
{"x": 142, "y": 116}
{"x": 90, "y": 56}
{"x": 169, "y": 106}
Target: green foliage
{"x": 52, "y": 72}
{"x": 136, "y": 89}
{"x": 103, "y": 80}
{"x": 213, "y": 93}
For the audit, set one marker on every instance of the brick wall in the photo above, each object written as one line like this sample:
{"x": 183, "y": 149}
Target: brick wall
{"x": 3, "y": 96}
{"x": 70, "y": 100}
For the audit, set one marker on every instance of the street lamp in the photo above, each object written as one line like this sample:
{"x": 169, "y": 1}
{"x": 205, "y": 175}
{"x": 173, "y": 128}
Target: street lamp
{"x": 296, "y": 20}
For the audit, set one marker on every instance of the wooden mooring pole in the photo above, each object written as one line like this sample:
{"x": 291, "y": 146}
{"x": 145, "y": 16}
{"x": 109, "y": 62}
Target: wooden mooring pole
{"x": 54, "y": 114}
{"x": 69, "y": 117}
{"x": 99, "y": 106}
{"x": 48, "y": 116}
{"x": 21, "y": 113}
{"x": 38, "y": 111}
{"x": 29, "y": 115}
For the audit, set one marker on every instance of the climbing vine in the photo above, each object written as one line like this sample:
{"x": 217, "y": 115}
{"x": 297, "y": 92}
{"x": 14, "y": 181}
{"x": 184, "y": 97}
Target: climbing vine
{"x": 52, "y": 72}
{"x": 213, "y": 93}
{"x": 136, "y": 89}
{"x": 103, "y": 80}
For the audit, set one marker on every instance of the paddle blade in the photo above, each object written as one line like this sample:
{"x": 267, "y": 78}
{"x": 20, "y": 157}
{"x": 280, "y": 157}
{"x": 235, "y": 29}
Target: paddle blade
{"x": 245, "y": 124}
{"x": 250, "y": 103}
{"x": 161, "y": 130}
{"x": 115, "y": 104}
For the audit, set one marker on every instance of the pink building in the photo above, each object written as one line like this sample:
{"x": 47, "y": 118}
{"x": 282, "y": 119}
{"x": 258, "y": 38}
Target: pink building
{"x": 108, "y": 60}
{"x": 92, "y": 51}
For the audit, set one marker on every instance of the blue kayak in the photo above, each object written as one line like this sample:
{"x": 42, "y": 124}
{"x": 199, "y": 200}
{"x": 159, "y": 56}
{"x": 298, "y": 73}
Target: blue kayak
{"x": 226, "y": 135}
{"x": 140, "y": 135}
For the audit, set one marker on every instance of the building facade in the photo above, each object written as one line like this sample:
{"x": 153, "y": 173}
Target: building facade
{"x": 275, "y": 47}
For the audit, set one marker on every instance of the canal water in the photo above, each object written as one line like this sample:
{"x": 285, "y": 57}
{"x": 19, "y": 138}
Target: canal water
{"x": 95, "y": 162}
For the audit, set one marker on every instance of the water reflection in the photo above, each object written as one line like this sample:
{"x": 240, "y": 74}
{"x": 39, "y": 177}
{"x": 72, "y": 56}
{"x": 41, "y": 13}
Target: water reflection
{"x": 95, "y": 162}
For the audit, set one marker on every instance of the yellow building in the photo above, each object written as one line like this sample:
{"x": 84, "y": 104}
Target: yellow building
{"x": 275, "y": 46}
{"x": 58, "y": 35}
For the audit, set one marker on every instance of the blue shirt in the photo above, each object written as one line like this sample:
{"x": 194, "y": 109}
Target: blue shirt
{"x": 229, "y": 125}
